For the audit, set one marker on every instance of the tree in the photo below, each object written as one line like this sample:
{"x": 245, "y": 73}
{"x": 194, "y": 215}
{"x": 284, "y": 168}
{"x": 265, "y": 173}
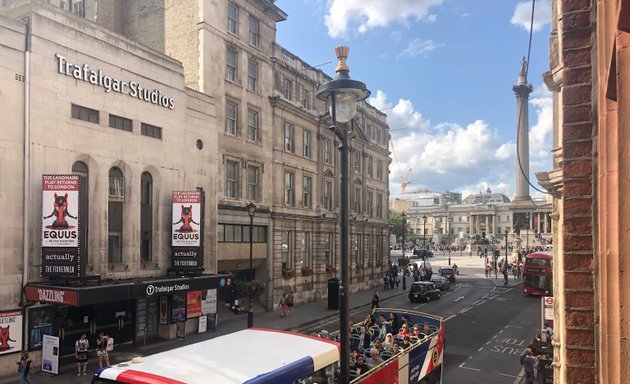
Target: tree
{"x": 395, "y": 219}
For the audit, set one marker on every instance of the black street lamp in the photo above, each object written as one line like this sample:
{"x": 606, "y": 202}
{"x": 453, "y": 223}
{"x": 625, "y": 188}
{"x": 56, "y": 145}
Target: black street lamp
{"x": 251, "y": 209}
{"x": 450, "y": 220}
{"x": 404, "y": 229}
{"x": 424, "y": 232}
{"x": 342, "y": 95}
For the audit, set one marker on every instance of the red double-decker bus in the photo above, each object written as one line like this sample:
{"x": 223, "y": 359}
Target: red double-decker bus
{"x": 538, "y": 274}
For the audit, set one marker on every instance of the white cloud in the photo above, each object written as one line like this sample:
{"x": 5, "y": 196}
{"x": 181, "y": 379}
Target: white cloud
{"x": 416, "y": 47}
{"x": 523, "y": 14}
{"x": 450, "y": 156}
{"x": 364, "y": 15}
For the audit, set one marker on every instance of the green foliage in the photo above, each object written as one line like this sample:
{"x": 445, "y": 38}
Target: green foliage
{"x": 246, "y": 288}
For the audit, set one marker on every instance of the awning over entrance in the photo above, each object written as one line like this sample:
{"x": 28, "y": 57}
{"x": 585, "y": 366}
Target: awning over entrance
{"x": 121, "y": 289}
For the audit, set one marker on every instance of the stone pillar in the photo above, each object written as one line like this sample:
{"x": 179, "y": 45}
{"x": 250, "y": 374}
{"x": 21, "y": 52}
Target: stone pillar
{"x": 522, "y": 89}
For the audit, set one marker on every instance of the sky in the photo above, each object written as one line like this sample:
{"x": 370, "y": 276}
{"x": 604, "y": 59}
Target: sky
{"x": 442, "y": 71}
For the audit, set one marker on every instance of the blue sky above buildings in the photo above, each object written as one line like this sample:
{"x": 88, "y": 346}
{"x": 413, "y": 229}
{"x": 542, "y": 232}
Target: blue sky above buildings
{"x": 443, "y": 71}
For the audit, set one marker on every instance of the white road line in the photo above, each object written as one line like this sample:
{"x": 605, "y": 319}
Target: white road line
{"x": 481, "y": 302}
{"x": 450, "y": 317}
{"x": 475, "y": 303}
{"x": 514, "y": 326}
{"x": 480, "y": 349}
{"x": 418, "y": 306}
{"x": 465, "y": 309}
{"x": 488, "y": 342}
{"x": 519, "y": 378}
{"x": 506, "y": 375}
{"x": 472, "y": 369}
{"x": 459, "y": 298}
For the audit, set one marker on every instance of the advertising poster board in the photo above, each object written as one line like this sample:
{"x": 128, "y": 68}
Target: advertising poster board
{"x": 40, "y": 323}
{"x": 193, "y": 304}
{"x": 50, "y": 354}
{"x": 163, "y": 309}
{"x": 209, "y": 302}
{"x": 60, "y": 225}
{"x": 10, "y": 332}
{"x": 178, "y": 307}
{"x": 203, "y": 324}
{"x": 546, "y": 304}
{"x": 187, "y": 233}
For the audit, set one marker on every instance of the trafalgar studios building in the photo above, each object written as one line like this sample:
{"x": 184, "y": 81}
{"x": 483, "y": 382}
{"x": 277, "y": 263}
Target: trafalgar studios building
{"x": 104, "y": 155}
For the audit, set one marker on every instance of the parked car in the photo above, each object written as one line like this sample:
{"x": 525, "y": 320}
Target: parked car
{"x": 421, "y": 254}
{"x": 423, "y": 291}
{"x": 447, "y": 272}
{"x": 441, "y": 282}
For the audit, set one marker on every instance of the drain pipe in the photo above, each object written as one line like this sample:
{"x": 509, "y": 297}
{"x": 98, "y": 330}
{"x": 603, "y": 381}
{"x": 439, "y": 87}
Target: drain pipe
{"x": 26, "y": 173}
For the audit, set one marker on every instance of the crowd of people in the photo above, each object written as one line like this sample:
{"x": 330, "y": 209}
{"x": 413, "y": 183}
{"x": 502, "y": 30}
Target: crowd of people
{"x": 536, "y": 354}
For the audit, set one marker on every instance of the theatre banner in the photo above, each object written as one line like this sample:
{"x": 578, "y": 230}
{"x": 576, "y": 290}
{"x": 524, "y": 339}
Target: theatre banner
{"x": 60, "y": 225}
{"x": 10, "y": 331}
{"x": 187, "y": 231}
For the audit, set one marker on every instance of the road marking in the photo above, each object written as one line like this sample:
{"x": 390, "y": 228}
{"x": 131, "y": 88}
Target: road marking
{"x": 416, "y": 307}
{"x": 520, "y": 376}
{"x": 466, "y": 309}
{"x": 447, "y": 293}
{"x": 472, "y": 369}
{"x": 480, "y": 349}
{"x": 513, "y": 326}
{"x": 459, "y": 298}
{"x": 450, "y": 317}
{"x": 488, "y": 342}
{"x": 481, "y": 302}
{"x": 506, "y": 375}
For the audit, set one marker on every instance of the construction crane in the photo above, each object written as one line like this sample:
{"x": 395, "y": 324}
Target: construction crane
{"x": 405, "y": 179}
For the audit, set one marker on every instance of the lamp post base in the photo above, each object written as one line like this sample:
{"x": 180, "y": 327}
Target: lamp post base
{"x": 250, "y": 319}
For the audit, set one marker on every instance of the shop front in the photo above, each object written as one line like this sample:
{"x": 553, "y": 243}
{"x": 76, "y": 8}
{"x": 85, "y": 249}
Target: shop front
{"x": 126, "y": 310}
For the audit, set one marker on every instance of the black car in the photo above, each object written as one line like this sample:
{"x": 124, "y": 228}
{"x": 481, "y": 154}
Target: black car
{"x": 423, "y": 291}
{"x": 440, "y": 282}
{"x": 422, "y": 254}
{"x": 448, "y": 272}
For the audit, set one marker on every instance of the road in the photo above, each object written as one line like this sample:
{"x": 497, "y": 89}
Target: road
{"x": 486, "y": 328}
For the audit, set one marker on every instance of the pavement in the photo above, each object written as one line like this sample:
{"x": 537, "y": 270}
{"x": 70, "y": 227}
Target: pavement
{"x": 304, "y": 315}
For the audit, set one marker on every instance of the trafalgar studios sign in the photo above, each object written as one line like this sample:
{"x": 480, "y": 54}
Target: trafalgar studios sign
{"x": 60, "y": 225}
{"x": 83, "y": 72}
{"x": 186, "y": 232}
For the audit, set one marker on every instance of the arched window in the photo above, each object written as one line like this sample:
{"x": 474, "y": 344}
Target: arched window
{"x": 146, "y": 217}
{"x": 115, "y": 215}
{"x": 81, "y": 169}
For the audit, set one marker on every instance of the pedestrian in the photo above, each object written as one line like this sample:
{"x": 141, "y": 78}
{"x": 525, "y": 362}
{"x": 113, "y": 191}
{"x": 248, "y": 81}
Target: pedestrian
{"x": 24, "y": 367}
{"x": 375, "y": 300}
{"x": 101, "y": 349}
{"x": 529, "y": 362}
{"x": 397, "y": 281}
{"x": 283, "y": 305}
{"x": 505, "y": 274}
{"x": 81, "y": 351}
{"x": 290, "y": 303}
{"x": 385, "y": 282}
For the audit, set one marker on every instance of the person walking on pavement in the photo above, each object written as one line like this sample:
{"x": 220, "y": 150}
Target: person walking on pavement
{"x": 283, "y": 305}
{"x": 24, "y": 367}
{"x": 101, "y": 350}
{"x": 290, "y": 303}
{"x": 375, "y": 300}
{"x": 81, "y": 352}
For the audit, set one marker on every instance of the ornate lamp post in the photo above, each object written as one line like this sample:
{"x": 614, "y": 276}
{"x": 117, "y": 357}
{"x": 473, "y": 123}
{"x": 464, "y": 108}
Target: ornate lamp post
{"x": 342, "y": 95}
{"x": 424, "y": 232}
{"x": 450, "y": 220}
{"x": 251, "y": 209}
{"x": 404, "y": 230}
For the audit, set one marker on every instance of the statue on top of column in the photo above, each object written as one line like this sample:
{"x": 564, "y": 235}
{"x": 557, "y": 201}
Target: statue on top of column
{"x": 523, "y": 66}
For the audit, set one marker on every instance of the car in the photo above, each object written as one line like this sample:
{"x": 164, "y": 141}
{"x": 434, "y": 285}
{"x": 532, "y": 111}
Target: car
{"x": 423, "y": 291}
{"x": 421, "y": 254}
{"x": 441, "y": 282}
{"x": 447, "y": 272}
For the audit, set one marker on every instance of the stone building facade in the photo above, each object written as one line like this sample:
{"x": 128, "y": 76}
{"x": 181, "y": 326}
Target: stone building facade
{"x": 219, "y": 116}
{"x": 589, "y": 77}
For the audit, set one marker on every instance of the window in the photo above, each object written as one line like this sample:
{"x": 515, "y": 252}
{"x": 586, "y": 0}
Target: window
{"x": 252, "y": 76}
{"x": 329, "y": 249}
{"x": 232, "y": 19}
{"x": 307, "y": 187}
{"x": 356, "y": 156}
{"x": 253, "y": 31}
{"x": 328, "y": 202}
{"x": 150, "y": 131}
{"x": 115, "y": 215}
{"x": 288, "y": 137}
{"x": 231, "y": 118}
{"x": 357, "y": 200}
{"x": 231, "y": 179}
{"x": 368, "y": 204}
{"x": 358, "y": 248}
{"x": 120, "y": 123}
{"x": 252, "y": 125}
{"x": 328, "y": 151}
{"x": 369, "y": 166}
{"x": 85, "y": 114}
{"x": 306, "y": 98}
{"x": 233, "y": 233}
{"x": 287, "y": 260}
{"x": 378, "y": 137}
{"x": 253, "y": 181}
{"x": 307, "y": 144}
{"x": 78, "y": 8}
{"x": 379, "y": 170}
{"x": 231, "y": 65}
{"x": 287, "y": 89}
{"x": 368, "y": 132}
{"x": 306, "y": 251}
{"x": 379, "y": 205}
{"x": 289, "y": 188}
{"x": 146, "y": 217}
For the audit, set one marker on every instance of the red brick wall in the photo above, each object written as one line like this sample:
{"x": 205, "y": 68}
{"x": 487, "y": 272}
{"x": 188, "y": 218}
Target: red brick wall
{"x": 579, "y": 176}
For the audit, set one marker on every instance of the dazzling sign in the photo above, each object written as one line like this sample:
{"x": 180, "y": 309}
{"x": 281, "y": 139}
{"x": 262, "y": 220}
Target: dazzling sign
{"x": 97, "y": 77}
{"x": 60, "y": 225}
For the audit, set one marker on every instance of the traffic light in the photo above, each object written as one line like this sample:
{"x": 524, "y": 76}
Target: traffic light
{"x": 485, "y": 252}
